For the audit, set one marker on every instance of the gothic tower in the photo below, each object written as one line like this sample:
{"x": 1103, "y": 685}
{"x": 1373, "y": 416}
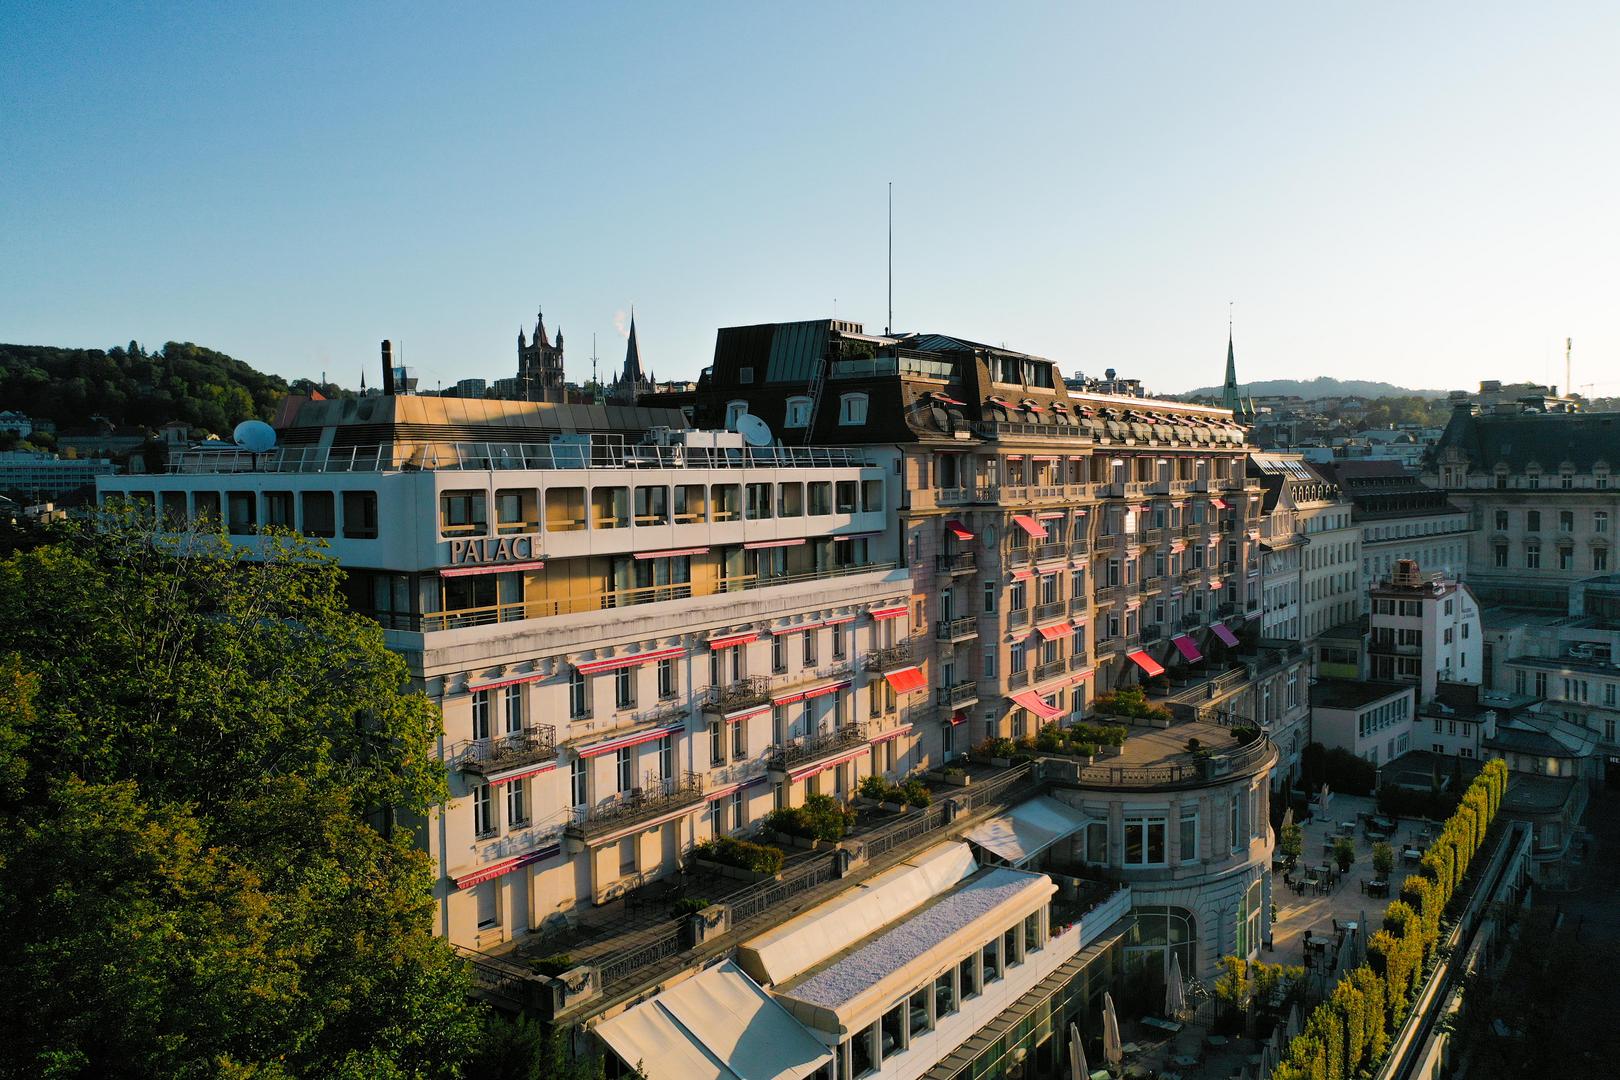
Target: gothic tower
{"x": 540, "y": 365}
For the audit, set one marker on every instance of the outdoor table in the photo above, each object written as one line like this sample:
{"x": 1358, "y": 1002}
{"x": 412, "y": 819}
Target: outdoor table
{"x": 1216, "y": 1040}
{"x": 1412, "y": 855}
{"x": 1347, "y": 827}
{"x": 1184, "y": 1061}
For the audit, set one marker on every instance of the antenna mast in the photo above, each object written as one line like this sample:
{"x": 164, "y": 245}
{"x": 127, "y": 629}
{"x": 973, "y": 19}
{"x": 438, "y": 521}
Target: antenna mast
{"x": 1569, "y": 348}
{"x": 889, "y": 329}
{"x": 595, "y": 384}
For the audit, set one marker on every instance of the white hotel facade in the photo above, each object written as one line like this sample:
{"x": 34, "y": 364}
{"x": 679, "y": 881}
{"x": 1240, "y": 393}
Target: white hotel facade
{"x": 635, "y": 645}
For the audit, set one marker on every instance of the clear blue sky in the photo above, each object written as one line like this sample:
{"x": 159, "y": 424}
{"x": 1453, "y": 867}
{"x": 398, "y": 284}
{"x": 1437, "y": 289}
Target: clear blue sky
{"x": 1423, "y": 193}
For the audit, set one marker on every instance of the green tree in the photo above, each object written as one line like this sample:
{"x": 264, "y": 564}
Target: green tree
{"x": 1383, "y": 860}
{"x": 201, "y": 758}
{"x": 1344, "y": 853}
{"x": 1292, "y": 842}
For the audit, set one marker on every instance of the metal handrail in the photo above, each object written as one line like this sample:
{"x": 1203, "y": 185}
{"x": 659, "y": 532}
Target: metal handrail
{"x": 814, "y": 746}
{"x": 637, "y": 805}
{"x": 484, "y": 756}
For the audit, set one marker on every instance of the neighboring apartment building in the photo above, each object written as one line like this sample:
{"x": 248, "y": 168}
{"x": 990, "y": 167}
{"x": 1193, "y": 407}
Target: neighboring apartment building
{"x": 1061, "y": 543}
{"x": 636, "y": 645}
{"x": 39, "y": 476}
{"x": 1372, "y": 720}
{"x": 1424, "y": 628}
{"x": 1538, "y": 488}
{"x": 1329, "y": 564}
{"x": 1401, "y": 518}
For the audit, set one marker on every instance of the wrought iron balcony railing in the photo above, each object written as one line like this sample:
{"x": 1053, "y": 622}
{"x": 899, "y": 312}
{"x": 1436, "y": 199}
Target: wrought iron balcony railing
{"x": 742, "y": 694}
{"x": 889, "y": 657}
{"x": 487, "y": 756}
{"x": 653, "y": 798}
{"x": 809, "y": 748}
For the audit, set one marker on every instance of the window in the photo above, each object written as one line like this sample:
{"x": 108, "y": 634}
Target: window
{"x": 624, "y": 688}
{"x": 461, "y": 513}
{"x": 809, "y": 649}
{"x": 624, "y": 769}
{"x": 1566, "y": 558}
{"x": 739, "y": 740}
{"x": 1235, "y": 817}
{"x": 579, "y": 703}
{"x": 517, "y": 804}
{"x": 1566, "y": 521}
{"x": 627, "y": 856}
{"x": 484, "y": 811}
{"x": 241, "y": 512}
{"x": 735, "y": 410}
{"x": 797, "y": 414}
{"x": 990, "y": 957}
{"x": 360, "y": 515}
{"x": 1532, "y": 556}
{"x": 514, "y": 709}
{"x": 840, "y": 648}
{"x": 852, "y": 410}
{"x": 1600, "y": 521}
{"x": 1532, "y": 520}
{"x": 739, "y": 807}
{"x": 779, "y": 653}
{"x": 1145, "y": 841}
{"x": 480, "y": 714}
{"x": 1189, "y": 834}
{"x": 320, "y": 518}
{"x": 989, "y": 597}
{"x": 1500, "y": 555}
{"x": 667, "y": 685}
{"x": 578, "y": 779}
{"x": 488, "y": 898}
{"x": 1600, "y": 558}
{"x": 1501, "y": 521}
{"x": 666, "y": 757}
{"x": 717, "y": 745}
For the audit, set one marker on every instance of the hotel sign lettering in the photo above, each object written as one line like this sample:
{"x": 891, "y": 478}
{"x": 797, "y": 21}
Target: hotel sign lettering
{"x": 494, "y": 551}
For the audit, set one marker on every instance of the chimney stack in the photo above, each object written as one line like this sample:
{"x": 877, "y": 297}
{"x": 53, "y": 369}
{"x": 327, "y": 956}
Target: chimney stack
{"x": 388, "y": 368}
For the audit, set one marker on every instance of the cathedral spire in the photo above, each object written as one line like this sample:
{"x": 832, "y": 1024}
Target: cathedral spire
{"x": 632, "y": 357}
{"x": 540, "y": 327}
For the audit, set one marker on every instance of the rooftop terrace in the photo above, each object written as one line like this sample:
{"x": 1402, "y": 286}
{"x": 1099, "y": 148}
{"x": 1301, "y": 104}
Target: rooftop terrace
{"x": 409, "y": 455}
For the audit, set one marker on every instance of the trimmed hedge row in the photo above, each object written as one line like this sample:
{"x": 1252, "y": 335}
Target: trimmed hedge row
{"x": 1351, "y": 1030}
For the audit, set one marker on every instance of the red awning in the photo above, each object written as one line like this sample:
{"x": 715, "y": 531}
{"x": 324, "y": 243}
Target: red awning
{"x": 635, "y": 738}
{"x": 958, "y": 530}
{"x": 1187, "y": 647}
{"x": 1030, "y": 525}
{"x": 906, "y": 680}
{"x": 887, "y": 735}
{"x": 671, "y": 554}
{"x": 937, "y": 396}
{"x": 1032, "y": 701}
{"x": 1216, "y": 584}
{"x": 958, "y": 717}
{"x": 730, "y": 640}
{"x": 1031, "y": 406}
{"x": 1224, "y": 634}
{"x": 755, "y": 545}
{"x": 501, "y": 684}
{"x": 1082, "y": 676}
{"x": 498, "y": 568}
{"x": 1023, "y": 575}
{"x": 887, "y": 612}
{"x": 1055, "y": 632}
{"x": 1148, "y": 665}
{"x": 592, "y": 667}
{"x": 1220, "y": 504}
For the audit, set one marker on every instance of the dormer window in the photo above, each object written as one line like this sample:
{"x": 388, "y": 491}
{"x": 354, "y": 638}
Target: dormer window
{"x": 797, "y": 413}
{"x": 735, "y": 410}
{"x": 852, "y": 410}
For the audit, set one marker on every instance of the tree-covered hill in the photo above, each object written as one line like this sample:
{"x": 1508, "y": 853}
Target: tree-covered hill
{"x": 130, "y": 386}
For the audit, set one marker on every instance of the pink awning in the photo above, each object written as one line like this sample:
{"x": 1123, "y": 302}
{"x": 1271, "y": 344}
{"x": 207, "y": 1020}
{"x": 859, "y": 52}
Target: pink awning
{"x": 906, "y": 680}
{"x": 671, "y": 554}
{"x": 1055, "y": 632}
{"x": 1022, "y": 575}
{"x": 592, "y": 667}
{"x": 887, "y": 612}
{"x": 498, "y": 568}
{"x": 1030, "y": 525}
{"x": 1032, "y": 701}
{"x": 1148, "y": 665}
{"x": 958, "y": 717}
{"x": 1187, "y": 647}
{"x": 755, "y": 545}
{"x": 1224, "y": 634}
{"x": 958, "y": 530}
{"x": 731, "y": 640}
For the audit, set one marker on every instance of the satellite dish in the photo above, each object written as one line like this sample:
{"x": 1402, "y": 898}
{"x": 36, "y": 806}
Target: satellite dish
{"x": 755, "y": 432}
{"x": 255, "y": 436}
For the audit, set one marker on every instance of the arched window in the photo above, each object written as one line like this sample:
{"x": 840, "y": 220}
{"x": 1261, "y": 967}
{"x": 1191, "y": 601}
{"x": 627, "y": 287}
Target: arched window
{"x": 1159, "y": 932}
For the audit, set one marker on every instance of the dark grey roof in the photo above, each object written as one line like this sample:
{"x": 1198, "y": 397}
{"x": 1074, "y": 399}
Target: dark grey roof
{"x": 1545, "y": 439}
{"x": 1353, "y": 693}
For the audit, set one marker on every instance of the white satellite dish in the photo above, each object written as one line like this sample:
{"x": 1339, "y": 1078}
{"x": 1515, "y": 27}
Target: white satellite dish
{"x": 755, "y": 432}
{"x": 254, "y": 436}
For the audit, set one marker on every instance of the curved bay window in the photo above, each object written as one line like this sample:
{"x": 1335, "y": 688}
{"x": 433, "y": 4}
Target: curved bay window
{"x": 1158, "y": 932}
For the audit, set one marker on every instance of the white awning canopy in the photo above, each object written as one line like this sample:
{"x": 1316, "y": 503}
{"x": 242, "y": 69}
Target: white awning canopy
{"x": 806, "y": 940}
{"x": 718, "y": 1025}
{"x": 1027, "y": 829}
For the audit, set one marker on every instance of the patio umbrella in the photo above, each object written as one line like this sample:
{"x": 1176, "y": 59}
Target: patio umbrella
{"x": 1078, "y": 1069}
{"x": 1288, "y": 817}
{"x": 1268, "y": 1058}
{"x": 1291, "y": 1026}
{"x": 1363, "y": 935}
{"x": 1175, "y": 992}
{"x": 1113, "y": 1049}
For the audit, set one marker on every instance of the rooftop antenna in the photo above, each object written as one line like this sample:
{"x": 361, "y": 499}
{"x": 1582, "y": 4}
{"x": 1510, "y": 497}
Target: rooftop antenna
{"x": 889, "y": 329}
{"x": 595, "y": 384}
{"x": 1569, "y": 348}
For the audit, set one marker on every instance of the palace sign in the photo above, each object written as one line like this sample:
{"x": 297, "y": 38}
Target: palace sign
{"x": 495, "y": 551}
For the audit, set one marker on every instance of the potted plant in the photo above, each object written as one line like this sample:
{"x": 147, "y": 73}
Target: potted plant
{"x": 1344, "y": 853}
{"x": 1291, "y": 844}
{"x": 1383, "y": 860}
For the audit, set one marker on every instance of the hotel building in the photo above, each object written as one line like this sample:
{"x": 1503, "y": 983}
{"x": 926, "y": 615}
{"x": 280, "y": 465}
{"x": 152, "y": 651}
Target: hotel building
{"x": 640, "y": 635}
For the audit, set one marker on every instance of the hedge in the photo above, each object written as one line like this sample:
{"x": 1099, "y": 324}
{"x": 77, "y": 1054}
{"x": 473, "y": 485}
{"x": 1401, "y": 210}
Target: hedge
{"x": 1349, "y": 1033}
{"x": 743, "y": 854}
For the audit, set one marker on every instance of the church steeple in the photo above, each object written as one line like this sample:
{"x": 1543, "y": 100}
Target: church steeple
{"x": 632, "y": 356}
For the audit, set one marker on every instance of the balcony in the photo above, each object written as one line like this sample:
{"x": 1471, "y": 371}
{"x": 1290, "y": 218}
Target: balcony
{"x": 1110, "y": 594}
{"x": 1151, "y": 633}
{"x": 1192, "y": 575}
{"x": 1050, "y": 669}
{"x": 1017, "y": 679}
{"x": 1153, "y": 536}
{"x": 1078, "y": 660}
{"x": 1048, "y": 552}
{"x": 959, "y": 695}
{"x": 1080, "y": 605}
{"x": 1105, "y": 648}
{"x": 488, "y": 757}
{"x": 1018, "y": 556}
{"x": 742, "y": 694}
{"x": 1057, "y": 609}
{"x": 963, "y": 563}
{"x": 813, "y": 747}
{"x": 1126, "y": 489}
{"x": 890, "y": 657}
{"x": 1018, "y": 617}
{"x": 1153, "y": 584}
{"x": 958, "y": 629}
{"x": 636, "y": 805}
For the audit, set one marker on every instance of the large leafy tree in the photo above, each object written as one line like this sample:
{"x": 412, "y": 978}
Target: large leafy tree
{"x": 201, "y": 762}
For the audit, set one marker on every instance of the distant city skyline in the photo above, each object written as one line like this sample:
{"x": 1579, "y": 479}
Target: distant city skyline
{"x": 1418, "y": 196}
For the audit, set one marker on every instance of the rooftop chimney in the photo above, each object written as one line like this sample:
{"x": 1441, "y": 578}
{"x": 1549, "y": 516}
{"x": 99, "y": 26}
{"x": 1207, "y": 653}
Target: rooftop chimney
{"x": 388, "y": 368}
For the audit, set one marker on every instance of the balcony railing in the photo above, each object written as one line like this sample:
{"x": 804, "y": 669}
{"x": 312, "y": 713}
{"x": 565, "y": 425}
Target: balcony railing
{"x": 962, "y": 693}
{"x": 649, "y": 801}
{"x": 889, "y": 657}
{"x": 1153, "y": 536}
{"x": 1109, "y": 594}
{"x": 1018, "y": 556}
{"x": 1049, "y": 668}
{"x": 484, "y": 456}
{"x": 486, "y": 756}
{"x": 742, "y": 694}
{"x": 1078, "y": 659}
{"x": 1047, "y": 552}
{"x": 1106, "y": 647}
{"x": 963, "y": 563}
{"x": 1018, "y": 617}
{"x": 963, "y": 626}
{"x": 808, "y": 749}
{"x": 1016, "y": 679}
{"x": 1153, "y": 583}
{"x": 1053, "y": 610}
{"x": 1152, "y": 632}
{"x": 1221, "y": 763}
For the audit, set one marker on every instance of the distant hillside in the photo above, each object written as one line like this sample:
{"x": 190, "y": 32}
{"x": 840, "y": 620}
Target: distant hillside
{"x": 130, "y": 386}
{"x": 1319, "y": 387}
